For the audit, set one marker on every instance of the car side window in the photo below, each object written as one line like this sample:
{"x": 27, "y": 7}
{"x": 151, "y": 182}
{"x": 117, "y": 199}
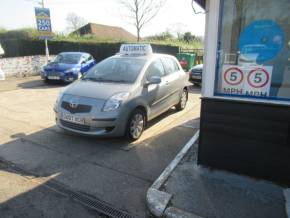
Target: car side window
{"x": 86, "y": 58}
{"x": 176, "y": 66}
{"x": 90, "y": 58}
{"x": 170, "y": 65}
{"x": 83, "y": 59}
{"x": 155, "y": 69}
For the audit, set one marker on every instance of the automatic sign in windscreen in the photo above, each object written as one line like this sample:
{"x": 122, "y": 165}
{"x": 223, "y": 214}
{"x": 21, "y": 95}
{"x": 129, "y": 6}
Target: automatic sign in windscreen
{"x": 119, "y": 70}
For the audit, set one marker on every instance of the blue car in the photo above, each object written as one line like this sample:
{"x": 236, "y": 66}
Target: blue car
{"x": 67, "y": 66}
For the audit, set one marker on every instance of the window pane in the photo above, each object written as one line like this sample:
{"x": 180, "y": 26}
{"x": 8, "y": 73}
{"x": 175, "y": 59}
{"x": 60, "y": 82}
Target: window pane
{"x": 169, "y": 65}
{"x": 253, "y": 53}
{"x": 67, "y": 58}
{"x": 155, "y": 69}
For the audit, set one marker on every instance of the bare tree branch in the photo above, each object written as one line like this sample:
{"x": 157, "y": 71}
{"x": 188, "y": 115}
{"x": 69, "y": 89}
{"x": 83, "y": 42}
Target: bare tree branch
{"x": 141, "y": 12}
{"x": 74, "y": 22}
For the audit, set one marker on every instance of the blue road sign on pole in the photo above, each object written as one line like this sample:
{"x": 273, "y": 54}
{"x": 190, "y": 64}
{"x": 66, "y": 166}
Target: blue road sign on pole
{"x": 43, "y": 22}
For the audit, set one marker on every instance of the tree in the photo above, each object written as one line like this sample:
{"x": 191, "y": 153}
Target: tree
{"x": 2, "y": 30}
{"x": 178, "y": 29}
{"x": 74, "y": 22}
{"x": 161, "y": 36}
{"x": 141, "y": 12}
{"x": 188, "y": 37}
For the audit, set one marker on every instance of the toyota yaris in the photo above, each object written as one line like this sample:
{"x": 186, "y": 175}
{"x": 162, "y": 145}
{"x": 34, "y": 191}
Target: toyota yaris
{"x": 120, "y": 94}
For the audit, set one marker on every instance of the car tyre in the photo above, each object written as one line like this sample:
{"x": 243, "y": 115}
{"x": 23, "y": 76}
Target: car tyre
{"x": 135, "y": 125}
{"x": 183, "y": 100}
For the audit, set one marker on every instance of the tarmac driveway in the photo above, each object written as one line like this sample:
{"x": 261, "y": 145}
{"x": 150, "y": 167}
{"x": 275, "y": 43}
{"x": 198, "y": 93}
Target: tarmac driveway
{"x": 109, "y": 171}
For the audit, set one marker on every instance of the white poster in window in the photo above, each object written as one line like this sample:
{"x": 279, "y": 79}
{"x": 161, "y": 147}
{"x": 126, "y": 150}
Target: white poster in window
{"x": 284, "y": 90}
{"x": 246, "y": 80}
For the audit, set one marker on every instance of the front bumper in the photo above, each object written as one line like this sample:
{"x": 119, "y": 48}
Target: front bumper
{"x": 195, "y": 78}
{"x": 64, "y": 77}
{"x": 113, "y": 124}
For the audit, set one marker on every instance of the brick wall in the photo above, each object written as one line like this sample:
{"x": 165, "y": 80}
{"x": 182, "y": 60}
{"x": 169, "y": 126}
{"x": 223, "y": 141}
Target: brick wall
{"x": 22, "y": 66}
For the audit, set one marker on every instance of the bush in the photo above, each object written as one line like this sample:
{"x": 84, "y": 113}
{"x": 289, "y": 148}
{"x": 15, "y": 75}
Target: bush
{"x": 26, "y": 33}
{"x": 100, "y": 51}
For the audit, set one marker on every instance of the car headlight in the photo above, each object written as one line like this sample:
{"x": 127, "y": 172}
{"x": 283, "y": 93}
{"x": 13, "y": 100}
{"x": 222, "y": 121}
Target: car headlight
{"x": 58, "y": 99}
{"x": 75, "y": 69}
{"x": 42, "y": 70}
{"x": 115, "y": 101}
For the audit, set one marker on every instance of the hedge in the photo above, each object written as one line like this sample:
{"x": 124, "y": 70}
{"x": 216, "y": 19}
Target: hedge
{"x": 100, "y": 51}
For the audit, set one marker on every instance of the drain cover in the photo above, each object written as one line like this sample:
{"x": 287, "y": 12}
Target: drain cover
{"x": 96, "y": 204}
{"x": 91, "y": 202}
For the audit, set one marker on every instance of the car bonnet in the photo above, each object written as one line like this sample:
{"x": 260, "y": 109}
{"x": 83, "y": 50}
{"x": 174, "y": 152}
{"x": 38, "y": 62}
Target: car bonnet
{"x": 96, "y": 90}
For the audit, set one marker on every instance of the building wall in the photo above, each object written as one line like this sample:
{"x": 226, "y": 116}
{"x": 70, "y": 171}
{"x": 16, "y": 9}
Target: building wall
{"x": 247, "y": 138}
{"x": 22, "y": 66}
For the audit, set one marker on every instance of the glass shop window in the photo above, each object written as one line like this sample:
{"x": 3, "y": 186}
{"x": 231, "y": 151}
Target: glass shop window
{"x": 253, "y": 49}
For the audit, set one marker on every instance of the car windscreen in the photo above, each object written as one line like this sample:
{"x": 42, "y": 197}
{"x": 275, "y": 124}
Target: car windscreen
{"x": 68, "y": 58}
{"x": 119, "y": 70}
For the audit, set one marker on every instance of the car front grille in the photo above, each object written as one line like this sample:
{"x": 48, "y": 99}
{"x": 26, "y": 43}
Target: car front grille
{"x": 75, "y": 126}
{"x": 81, "y": 108}
{"x": 53, "y": 73}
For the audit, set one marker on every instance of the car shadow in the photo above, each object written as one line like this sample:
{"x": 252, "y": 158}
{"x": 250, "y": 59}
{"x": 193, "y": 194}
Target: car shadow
{"x": 98, "y": 169}
{"x": 40, "y": 84}
{"x": 194, "y": 89}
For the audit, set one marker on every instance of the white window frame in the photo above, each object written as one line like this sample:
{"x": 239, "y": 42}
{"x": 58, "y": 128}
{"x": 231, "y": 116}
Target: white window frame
{"x": 210, "y": 57}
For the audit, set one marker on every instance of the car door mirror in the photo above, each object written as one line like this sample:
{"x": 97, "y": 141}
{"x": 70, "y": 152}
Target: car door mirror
{"x": 83, "y": 62}
{"x": 153, "y": 80}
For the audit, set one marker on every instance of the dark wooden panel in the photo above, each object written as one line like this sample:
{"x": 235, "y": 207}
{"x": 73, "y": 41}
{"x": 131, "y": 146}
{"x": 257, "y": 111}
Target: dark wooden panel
{"x": 246, "y": 133}
{"x": 246, "y": 122}
{"x": 247, "y": 138}
{"x": 249, "y": 110}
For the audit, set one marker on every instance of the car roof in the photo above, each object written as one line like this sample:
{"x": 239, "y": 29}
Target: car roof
{"x": 74, "y": 52}
{"x": 142, "y": 57}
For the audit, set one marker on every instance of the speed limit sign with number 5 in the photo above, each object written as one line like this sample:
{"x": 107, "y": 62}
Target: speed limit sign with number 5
{"x": 246, "y": 80}
{"x": 258, "y": 78}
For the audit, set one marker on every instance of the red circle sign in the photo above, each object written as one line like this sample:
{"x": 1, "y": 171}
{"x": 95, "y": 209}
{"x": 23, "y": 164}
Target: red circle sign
{"x": 258, "y": 78}
{"x": 234, "y": 79}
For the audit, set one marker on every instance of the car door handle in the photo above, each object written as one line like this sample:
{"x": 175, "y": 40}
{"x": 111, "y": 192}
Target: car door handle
{"x": 167, "y": 83}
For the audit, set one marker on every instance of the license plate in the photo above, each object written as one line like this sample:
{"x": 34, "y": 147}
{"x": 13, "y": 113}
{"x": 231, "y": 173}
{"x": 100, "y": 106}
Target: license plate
{"x": 195, "y": 77}
{"x": 53, "y": 77}
{"x": 73, "y": 119}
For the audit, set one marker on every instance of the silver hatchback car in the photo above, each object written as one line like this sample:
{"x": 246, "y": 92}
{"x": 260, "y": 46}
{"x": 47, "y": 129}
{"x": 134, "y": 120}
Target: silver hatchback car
{"x": 120, "y": 94}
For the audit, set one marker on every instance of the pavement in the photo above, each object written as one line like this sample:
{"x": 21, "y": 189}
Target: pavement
{"x": 198, "y": 192}
{"x": 41, "y": 202}
{"x": 108, "y": 176}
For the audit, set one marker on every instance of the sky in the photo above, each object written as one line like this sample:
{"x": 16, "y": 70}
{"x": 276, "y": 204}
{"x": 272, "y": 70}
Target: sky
{"x": 175, "y": 15}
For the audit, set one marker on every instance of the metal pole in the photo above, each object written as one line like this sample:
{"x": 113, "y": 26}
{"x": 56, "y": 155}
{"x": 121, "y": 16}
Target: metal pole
{"x": 45, "y": 40}
{"x": 46, "y": 51}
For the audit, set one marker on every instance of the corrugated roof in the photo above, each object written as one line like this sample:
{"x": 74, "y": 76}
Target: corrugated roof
{"x": 106, "y": 32}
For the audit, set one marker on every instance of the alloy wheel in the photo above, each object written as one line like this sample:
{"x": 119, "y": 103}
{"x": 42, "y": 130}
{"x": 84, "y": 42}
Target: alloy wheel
{"x": 136, "y": 126}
